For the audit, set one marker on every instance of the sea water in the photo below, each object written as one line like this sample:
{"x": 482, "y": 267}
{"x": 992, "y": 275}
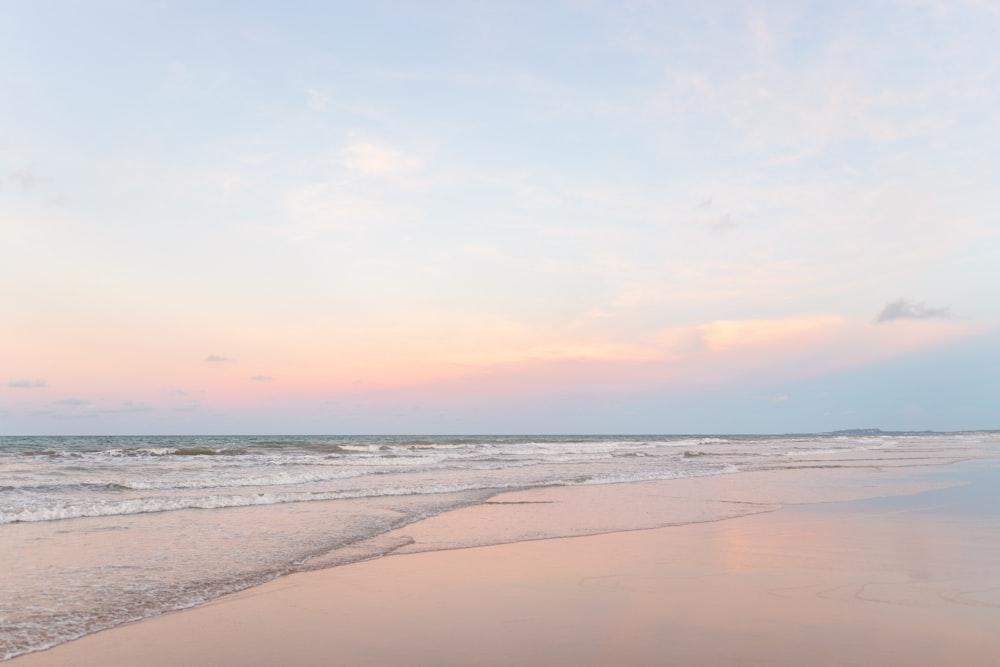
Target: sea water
{"x": 99, "y": 531}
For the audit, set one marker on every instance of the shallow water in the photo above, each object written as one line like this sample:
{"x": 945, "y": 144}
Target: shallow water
{"x": 95, "y": 532}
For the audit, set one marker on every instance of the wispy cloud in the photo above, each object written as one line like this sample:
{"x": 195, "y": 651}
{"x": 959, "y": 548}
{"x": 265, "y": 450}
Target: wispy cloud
{"x": 216, "y": 359}
{"x": 901, "y": 309}
{"x": 26, "y": 384}
{"x": 317, "y": 100}
{"x": 380, "y": 160}
{"x": 78, "y": 408}
{"x": 72, "y": 402}
{"x": 24, "y": 179}
{"x": 325, "y": 207}
{"x": 66, "y": 414}
{"x": 261, "y": 378}
{"x": 128, "y": 406}
{"x": 943, "y": 8}
{"x": 716, "y": 220}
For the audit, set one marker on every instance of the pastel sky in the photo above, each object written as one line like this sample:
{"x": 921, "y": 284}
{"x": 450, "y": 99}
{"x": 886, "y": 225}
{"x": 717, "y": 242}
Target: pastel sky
{"x": 499, "y": 217}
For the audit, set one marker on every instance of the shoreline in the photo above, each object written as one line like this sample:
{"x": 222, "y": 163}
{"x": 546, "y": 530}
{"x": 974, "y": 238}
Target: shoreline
{"x": 496, "y": 545}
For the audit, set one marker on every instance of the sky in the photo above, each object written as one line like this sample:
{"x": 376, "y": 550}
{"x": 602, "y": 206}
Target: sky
{"x": 499, "y": 217}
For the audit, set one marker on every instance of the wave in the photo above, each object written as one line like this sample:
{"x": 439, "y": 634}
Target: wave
{"x": 119, "y": 507}
{"x": 274, "y": 479}
{"x": 166, "y": 483}
{"x": 149, "y": 505}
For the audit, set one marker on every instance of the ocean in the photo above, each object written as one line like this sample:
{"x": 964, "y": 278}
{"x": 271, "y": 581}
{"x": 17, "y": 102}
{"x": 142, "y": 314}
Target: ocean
{"x": 100, "y": 531}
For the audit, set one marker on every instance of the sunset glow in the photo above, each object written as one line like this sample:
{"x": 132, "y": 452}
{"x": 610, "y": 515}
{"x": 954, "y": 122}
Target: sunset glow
{"x": 445, "y": 217}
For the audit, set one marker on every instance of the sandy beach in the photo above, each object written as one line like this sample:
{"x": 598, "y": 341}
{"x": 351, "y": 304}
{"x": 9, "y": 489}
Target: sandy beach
{"x": 804, "y": 571}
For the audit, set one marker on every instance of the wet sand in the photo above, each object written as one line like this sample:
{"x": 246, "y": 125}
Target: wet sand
{"x": 744, "y": 578}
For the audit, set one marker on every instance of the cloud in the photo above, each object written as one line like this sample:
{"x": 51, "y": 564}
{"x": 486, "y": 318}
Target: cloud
{"x": 72, "y": 402}
{"x": 216, "y": 359}
{"x": 23, "y": 179}
{"x": 901, "y": 309}
{"x": 371, "y": 159}
{"x": 943, "y": 8}
{"x": 128, "y": 406}
{"x": 724, "y": 224}
{"x": 317, "y": 100}
{"x": 325, "y": 206}
{"x": 72, "y": 414}
{"x": 261, "y": 378}
{"x": 26, "y": 384}
{"x": 78, "y": 408}
{"x": 716, "y": 220}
